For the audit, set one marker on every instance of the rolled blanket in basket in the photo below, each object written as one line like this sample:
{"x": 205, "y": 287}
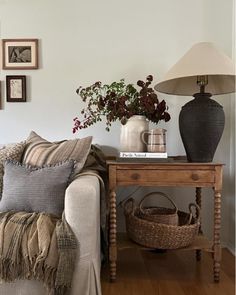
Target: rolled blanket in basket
{"x": 37, "y": 246}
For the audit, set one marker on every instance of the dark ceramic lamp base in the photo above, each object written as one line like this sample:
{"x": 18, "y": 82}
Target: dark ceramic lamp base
{"x": 201, "y": 124}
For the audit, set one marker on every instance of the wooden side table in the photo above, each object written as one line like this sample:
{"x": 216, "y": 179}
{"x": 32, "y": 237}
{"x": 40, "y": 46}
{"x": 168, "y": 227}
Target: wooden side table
{"x": 175, "y": 174}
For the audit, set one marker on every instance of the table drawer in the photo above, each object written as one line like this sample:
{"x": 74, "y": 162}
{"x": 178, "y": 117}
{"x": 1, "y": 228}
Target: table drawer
{"x": 166, "y": 176}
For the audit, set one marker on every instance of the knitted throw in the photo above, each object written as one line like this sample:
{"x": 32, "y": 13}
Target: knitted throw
{"x": 37, "y": 246}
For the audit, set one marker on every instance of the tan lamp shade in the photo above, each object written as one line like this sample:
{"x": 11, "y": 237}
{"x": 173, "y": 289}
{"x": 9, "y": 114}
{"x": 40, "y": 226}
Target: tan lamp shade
{"x": 203, "y": 59}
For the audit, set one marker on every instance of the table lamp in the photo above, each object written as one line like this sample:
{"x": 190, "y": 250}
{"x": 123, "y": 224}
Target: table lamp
{"x": 202, "y": 72}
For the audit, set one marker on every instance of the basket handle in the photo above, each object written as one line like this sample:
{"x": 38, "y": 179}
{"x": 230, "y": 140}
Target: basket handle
{"x": 156, "y": 193}
{"x": 198, "y": 213}
{"x": 128, "y": 206}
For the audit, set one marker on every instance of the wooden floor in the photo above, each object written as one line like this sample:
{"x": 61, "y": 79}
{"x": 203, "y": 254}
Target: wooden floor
{"x": 169, "y": 273}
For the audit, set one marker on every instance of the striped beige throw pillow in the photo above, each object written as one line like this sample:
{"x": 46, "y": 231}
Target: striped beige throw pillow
{"x": 10, "y": 151}
{"x": 39, "y": 151}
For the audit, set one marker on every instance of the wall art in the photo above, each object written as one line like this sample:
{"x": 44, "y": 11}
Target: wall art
{"x": 19, "y": 54}
{"x": 16, "y": 88}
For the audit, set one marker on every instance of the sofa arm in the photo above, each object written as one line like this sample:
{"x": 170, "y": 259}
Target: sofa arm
{"x": 82, "y": 212}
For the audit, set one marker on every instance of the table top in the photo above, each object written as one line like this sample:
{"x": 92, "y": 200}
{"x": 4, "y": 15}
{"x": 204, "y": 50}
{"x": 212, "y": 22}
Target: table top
{"x": 173, "y": 161}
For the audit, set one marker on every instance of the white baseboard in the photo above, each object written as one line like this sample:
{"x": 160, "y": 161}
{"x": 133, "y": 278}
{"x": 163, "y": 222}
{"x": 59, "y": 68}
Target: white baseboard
{"x": 231, "y": 248}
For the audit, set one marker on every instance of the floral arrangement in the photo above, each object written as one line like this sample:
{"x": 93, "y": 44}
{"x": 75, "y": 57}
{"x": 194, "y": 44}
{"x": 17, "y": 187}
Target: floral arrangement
{"x": 120, "y": 101}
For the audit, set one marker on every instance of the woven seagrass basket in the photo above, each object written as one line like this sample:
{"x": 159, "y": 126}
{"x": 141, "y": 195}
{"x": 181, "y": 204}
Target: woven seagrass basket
{"x": 161, "y": 236}
{"x": 158, "y": 214}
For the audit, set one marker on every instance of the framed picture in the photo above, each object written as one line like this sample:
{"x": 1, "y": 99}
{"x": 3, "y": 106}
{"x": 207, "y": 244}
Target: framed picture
{"x": 16, "y": 88}
{"x": 19, "y": 54}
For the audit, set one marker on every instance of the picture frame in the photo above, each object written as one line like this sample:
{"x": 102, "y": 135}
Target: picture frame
{"x": 16, "y": 88}
{"x": 19, "y": 54}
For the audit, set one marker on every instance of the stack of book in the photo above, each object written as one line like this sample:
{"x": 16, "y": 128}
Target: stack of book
{"x": 143, "y": 156}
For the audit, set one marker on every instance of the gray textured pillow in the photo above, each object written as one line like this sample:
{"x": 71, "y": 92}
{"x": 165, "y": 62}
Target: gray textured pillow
{"x": 10, "y": 151}
{"x": 33, "y": 189}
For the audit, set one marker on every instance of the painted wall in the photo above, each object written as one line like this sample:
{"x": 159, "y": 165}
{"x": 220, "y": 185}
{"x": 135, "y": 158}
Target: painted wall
{"x": 85, "y": 41}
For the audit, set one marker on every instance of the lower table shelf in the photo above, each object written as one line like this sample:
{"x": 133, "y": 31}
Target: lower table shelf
{"x": 200, "y": 243}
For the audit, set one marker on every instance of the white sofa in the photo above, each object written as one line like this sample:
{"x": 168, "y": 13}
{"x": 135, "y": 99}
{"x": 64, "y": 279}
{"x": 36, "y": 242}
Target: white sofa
{"x": 82, "y": 212}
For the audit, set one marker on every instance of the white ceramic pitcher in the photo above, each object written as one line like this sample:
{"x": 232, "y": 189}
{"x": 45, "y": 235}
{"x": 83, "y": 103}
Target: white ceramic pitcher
{"x": 130, "y": 137}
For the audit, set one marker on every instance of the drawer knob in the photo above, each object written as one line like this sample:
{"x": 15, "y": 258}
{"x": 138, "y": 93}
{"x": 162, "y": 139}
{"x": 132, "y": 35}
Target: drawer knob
{"x": 195, "y": 176}
{"x": 135, "y": 176}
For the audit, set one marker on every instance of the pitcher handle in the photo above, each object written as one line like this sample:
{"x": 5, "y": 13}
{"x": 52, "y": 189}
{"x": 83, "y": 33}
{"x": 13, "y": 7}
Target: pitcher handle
{"x": 142, "y": 136}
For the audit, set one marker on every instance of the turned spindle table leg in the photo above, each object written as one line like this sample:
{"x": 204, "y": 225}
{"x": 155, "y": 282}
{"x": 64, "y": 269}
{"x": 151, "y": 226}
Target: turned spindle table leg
{"x": 112, "y": 237}
{"x": 216, "y": 245}
{"x": 199, "y": 203}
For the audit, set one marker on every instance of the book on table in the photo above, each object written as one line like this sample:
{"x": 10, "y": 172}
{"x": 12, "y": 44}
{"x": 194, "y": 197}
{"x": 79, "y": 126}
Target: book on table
{"x": 143, "y": 155}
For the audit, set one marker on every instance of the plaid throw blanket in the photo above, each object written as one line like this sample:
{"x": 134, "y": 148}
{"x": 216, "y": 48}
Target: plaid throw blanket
{"x": 37, "y": 246}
